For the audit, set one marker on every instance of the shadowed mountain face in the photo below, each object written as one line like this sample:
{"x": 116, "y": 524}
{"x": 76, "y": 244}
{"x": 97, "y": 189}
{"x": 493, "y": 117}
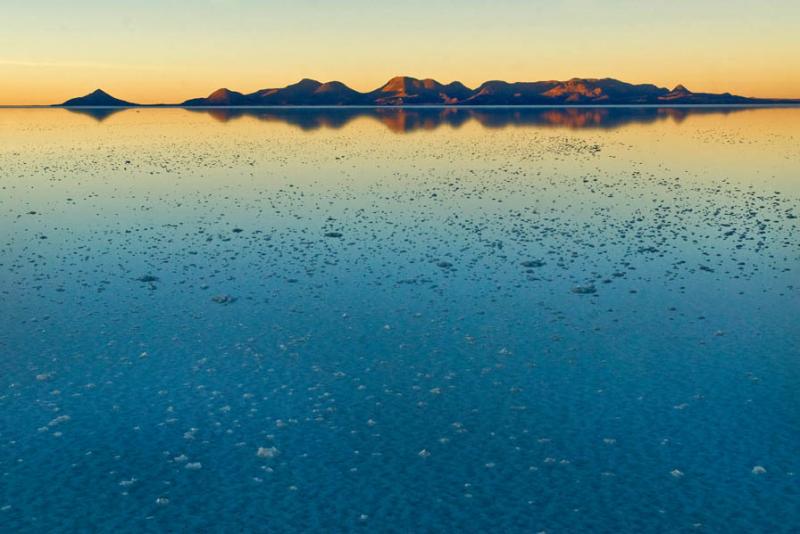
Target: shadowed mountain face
{"x": 304, "y": 91}
{"x": 97, "y": 98}
{"x": 298, "y": 94}
{"x": 405, "y": 90}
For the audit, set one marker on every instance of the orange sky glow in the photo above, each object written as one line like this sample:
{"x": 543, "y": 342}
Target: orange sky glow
{"x": 167, "y": 52}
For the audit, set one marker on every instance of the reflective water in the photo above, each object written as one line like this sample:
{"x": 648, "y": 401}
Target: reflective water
{"x": 400, "y": 320}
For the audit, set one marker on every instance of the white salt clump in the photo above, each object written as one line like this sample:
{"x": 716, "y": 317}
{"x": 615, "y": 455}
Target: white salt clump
{"x": 181, "y": 458}
{"x": 162, "y": 501}
{"x": 423, "y": 453}
{"x": 194, "y": 466}
{"x": 676, "y": 473}
{"x": 371, "y": 422}
{"x": 58, "y": 420}
{"x": 759, "y": 470}
{"x": 267, "y": 452}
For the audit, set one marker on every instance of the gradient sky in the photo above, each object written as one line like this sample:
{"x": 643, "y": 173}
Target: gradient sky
{"x": 152, "y": 51}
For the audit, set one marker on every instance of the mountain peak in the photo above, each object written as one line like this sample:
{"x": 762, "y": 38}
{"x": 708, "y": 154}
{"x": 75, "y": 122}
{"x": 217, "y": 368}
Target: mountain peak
{"x": 97, "y": 98}
{"x": 220, "y": 97}
{"x": 396, "y": 79}
{"x": 306, "y": 83}
{"x": 399, "y": 84}
{"x": 681, "y": 89}
{"x": 223, "y": 91}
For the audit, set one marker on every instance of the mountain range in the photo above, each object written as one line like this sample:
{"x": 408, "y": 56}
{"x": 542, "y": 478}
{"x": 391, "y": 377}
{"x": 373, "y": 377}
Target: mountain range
{"x": 406, "y": 91}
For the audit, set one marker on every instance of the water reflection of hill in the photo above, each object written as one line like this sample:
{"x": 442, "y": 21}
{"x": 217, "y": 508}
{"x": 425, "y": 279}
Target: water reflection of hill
{"x": 98, "y": 114}
{"x": 404, "y": 120}
{"x": 409, "y": 119}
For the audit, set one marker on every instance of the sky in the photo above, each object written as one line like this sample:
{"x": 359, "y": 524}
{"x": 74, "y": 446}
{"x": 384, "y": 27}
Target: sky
{"x": 166, "y": 51}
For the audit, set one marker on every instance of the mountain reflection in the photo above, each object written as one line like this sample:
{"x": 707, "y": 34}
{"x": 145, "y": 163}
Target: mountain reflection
{"x": 406, "y": 120}
{"x": 410, "y": 119}
{"x": 97, "y": 113}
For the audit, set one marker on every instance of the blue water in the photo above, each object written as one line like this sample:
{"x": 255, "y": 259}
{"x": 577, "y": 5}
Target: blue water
{"x": 564, "y": 323}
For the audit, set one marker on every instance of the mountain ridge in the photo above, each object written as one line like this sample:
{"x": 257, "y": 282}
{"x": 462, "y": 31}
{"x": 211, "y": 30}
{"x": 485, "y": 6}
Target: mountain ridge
{"x": 407, "y": 90}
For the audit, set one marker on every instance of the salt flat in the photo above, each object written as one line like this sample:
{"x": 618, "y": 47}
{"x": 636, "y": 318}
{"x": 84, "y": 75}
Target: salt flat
{"x": 436, "y": 320}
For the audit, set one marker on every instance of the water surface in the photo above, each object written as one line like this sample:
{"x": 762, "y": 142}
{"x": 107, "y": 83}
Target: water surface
{"x": 400, "y": 320}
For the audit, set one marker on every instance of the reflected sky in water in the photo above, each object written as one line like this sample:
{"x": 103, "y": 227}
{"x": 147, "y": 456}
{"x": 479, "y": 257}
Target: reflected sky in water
{"x": 501, "y": 320}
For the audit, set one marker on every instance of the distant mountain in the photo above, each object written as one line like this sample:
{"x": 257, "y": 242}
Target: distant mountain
{"x": 575, "y": 91}
{"x": 405, "y": 91}
{"x": 97, "y": 98}
{"x": 220, "y": 97}
{"x": 309, "y": 92}
{"x": 303, "y": 93}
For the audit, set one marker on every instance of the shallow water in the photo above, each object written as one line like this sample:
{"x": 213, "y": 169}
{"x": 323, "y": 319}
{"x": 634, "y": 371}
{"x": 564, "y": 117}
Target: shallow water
{"x": 400, "y": 320}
